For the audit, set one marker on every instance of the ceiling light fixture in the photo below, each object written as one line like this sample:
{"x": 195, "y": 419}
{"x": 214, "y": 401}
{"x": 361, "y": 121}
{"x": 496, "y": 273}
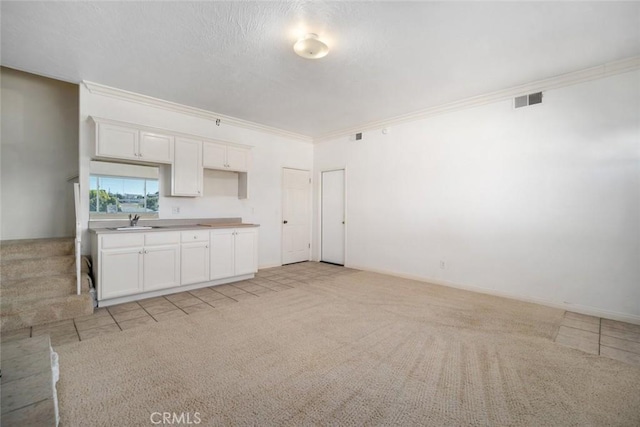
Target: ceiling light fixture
{"x": 311, "y": 47}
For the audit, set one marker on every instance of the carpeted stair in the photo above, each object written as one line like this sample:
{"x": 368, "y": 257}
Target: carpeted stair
{"x": 38, "y": 283}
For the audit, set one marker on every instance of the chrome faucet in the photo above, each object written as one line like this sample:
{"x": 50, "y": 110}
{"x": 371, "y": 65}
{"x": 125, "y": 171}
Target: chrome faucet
{"x": 133, "y": 221}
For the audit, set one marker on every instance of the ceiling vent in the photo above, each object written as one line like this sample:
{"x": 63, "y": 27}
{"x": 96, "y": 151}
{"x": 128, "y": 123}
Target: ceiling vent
{"x": 525, "y": 100}
{"x": 358, "y": 136}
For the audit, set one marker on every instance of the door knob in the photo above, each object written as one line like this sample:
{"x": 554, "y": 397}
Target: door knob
{"x": 285, "y": 221}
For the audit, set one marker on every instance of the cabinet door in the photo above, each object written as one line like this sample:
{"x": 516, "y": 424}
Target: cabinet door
{"x": 238, "y": 159}
{"x": 245, "y": 251}
{"x": 114, "y": 141}
{"x": 221, "y": 254}
{"x": 186, "y": 173}
{"x": 214, "y": 156}
{"x": 194, "y": 267}
{"x": 155, "y": 147}
{"x": 120, "y": 272}
{"x": 161, "y": 267}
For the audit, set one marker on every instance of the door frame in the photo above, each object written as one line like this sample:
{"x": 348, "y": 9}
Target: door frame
{"x": 282, "y": 212}
{"x": 346, "y": 222}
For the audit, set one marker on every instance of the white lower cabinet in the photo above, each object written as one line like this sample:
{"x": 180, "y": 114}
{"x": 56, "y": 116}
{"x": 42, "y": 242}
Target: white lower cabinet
{"x": 129, "y": 264}
{"x": 161, "y": 267}
{"x": 246, "y": 251}
{"x": 195, "y": 257}
{"x": 120, "y": 272}
{"x": 233, "y": 252}
{"x": 133, "y": 263}
{"x": 222, "y": 253}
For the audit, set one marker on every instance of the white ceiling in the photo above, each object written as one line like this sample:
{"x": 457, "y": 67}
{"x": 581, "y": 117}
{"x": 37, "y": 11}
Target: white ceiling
{"x": 386, "y": 58}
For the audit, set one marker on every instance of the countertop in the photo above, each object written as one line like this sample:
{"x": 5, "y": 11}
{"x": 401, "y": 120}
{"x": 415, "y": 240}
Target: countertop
{"x": 181, "y": 227}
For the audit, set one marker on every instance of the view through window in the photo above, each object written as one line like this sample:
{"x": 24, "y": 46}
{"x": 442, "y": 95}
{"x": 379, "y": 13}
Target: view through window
{"x": 112, "y": 195}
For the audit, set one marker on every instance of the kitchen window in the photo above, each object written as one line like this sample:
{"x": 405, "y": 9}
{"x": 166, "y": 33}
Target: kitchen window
{"x": 113, "y": 196}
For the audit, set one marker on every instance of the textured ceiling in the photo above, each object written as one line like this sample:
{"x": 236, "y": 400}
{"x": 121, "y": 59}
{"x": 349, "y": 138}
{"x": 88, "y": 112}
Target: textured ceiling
{"x": 386, "y": 58}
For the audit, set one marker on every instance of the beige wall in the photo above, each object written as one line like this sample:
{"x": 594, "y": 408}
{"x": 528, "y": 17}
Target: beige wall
{"x": 39, "y": 153}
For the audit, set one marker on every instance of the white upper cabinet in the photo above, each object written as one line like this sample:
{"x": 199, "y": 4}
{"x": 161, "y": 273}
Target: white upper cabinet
{"x": 225, "y": 157}
{"x": 214, "y": 156}
{"x": 187, "y": 155}
{"x": 155, "y": 147}
{"x": 128, "y": 142}
{"x": 186, "y": 172}
{"x": 116, "y": 141}
{"x": 238, "y": 158}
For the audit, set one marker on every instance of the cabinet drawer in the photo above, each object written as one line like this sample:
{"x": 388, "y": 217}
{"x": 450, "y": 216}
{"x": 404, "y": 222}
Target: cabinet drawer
{"x": 195, "y": 236}
{"x": 128, "y": 240}
{"x": 161, "y": 238}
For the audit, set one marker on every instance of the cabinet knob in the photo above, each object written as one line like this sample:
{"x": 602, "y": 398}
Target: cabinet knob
{"x": 285, "y": 222}
{"x": 195, "y": 237}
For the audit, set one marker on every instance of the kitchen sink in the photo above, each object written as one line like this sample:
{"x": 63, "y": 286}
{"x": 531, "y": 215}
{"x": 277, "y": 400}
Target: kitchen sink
{"x": 134, "y": 227}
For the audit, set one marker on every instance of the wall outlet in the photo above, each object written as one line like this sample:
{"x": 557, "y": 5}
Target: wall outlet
{"x": 175, "y": 210}
{"x": 442, "y": 265}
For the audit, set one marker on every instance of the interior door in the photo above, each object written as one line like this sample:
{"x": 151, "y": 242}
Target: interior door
{"x": 222, "y": 254}
{"x": 296, "y": 215}
{"x": 333, "y": 213}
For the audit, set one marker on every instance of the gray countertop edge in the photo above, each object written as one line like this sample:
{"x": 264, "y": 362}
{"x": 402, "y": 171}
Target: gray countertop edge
{"x": 172, "y": 228}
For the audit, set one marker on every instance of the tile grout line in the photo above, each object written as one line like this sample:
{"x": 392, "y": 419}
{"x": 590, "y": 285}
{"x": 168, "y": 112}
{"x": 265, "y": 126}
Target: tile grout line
{"x": 114, "y": 319}
{"x": 149, "y": 314}
{"x": 76, "y": 328}
{"x": 621, "y": 339}
{"x": 195, "y": 296}
{"x": 599, "y": 335}
{"x": 621, "y": 349}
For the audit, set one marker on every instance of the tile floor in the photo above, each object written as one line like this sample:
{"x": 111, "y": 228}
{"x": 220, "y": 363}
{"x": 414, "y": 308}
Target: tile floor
{"x": 609, "y": 338}
{"x": 139, "y": 313}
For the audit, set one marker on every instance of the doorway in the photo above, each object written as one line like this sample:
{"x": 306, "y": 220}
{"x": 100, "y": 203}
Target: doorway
{"x": 333, "y": 217}
{"x": 296, "y": 215}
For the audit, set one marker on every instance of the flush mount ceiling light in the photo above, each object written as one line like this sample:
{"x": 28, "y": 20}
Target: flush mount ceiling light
{"x": 311, "y": 47}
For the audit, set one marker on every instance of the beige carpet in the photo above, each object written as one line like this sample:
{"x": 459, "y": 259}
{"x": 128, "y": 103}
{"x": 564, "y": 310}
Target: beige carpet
{"x": 358, "y": 349}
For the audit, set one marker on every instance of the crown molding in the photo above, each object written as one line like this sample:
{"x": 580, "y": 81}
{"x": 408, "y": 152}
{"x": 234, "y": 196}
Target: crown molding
{"x": 594, "y": 73}
{"x": 121, "y": 94}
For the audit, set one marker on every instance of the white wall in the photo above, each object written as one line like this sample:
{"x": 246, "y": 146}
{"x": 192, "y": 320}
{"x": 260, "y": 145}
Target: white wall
{"x": 540, "y": 203}
{"x": 270, "y": 154}
{"x": 39, "y": 155}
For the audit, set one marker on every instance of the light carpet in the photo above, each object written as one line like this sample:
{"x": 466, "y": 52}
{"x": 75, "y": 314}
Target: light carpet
{"x": 356, "y": 349}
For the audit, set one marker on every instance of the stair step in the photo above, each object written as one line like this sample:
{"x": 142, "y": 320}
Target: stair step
{"x": 39, "y": 312}
{"x": 36, "y": 248}
{"x": 41, "y": 267}
{"x": 26, "y": 289}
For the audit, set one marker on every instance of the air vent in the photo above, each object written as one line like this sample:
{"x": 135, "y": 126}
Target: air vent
{"x": 525, "y": 100}
{"x": 358, "y": 136}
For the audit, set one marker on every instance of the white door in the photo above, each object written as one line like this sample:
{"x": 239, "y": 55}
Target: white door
{"x": 245, "y": 251}
{"x": 333, "y": 217}
{"x": 296, "y": 216}
{"x": 222, "y": 254}
{"x": 161, "y": 267}
{"x": 194, "y": 267}
{"x": 238, "y": 159}
{"x": 155, "y": 147}
{"x": 120, "y": 272}
{"x": 117, "y": 141}
{"x": 214, "y": 156}
{"x": 186, "y": 172}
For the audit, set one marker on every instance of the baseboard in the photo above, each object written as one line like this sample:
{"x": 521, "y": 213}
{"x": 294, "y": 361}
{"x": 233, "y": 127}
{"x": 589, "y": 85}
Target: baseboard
{"x": 262, "y": 267}
{"x": 577, "y": 308}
